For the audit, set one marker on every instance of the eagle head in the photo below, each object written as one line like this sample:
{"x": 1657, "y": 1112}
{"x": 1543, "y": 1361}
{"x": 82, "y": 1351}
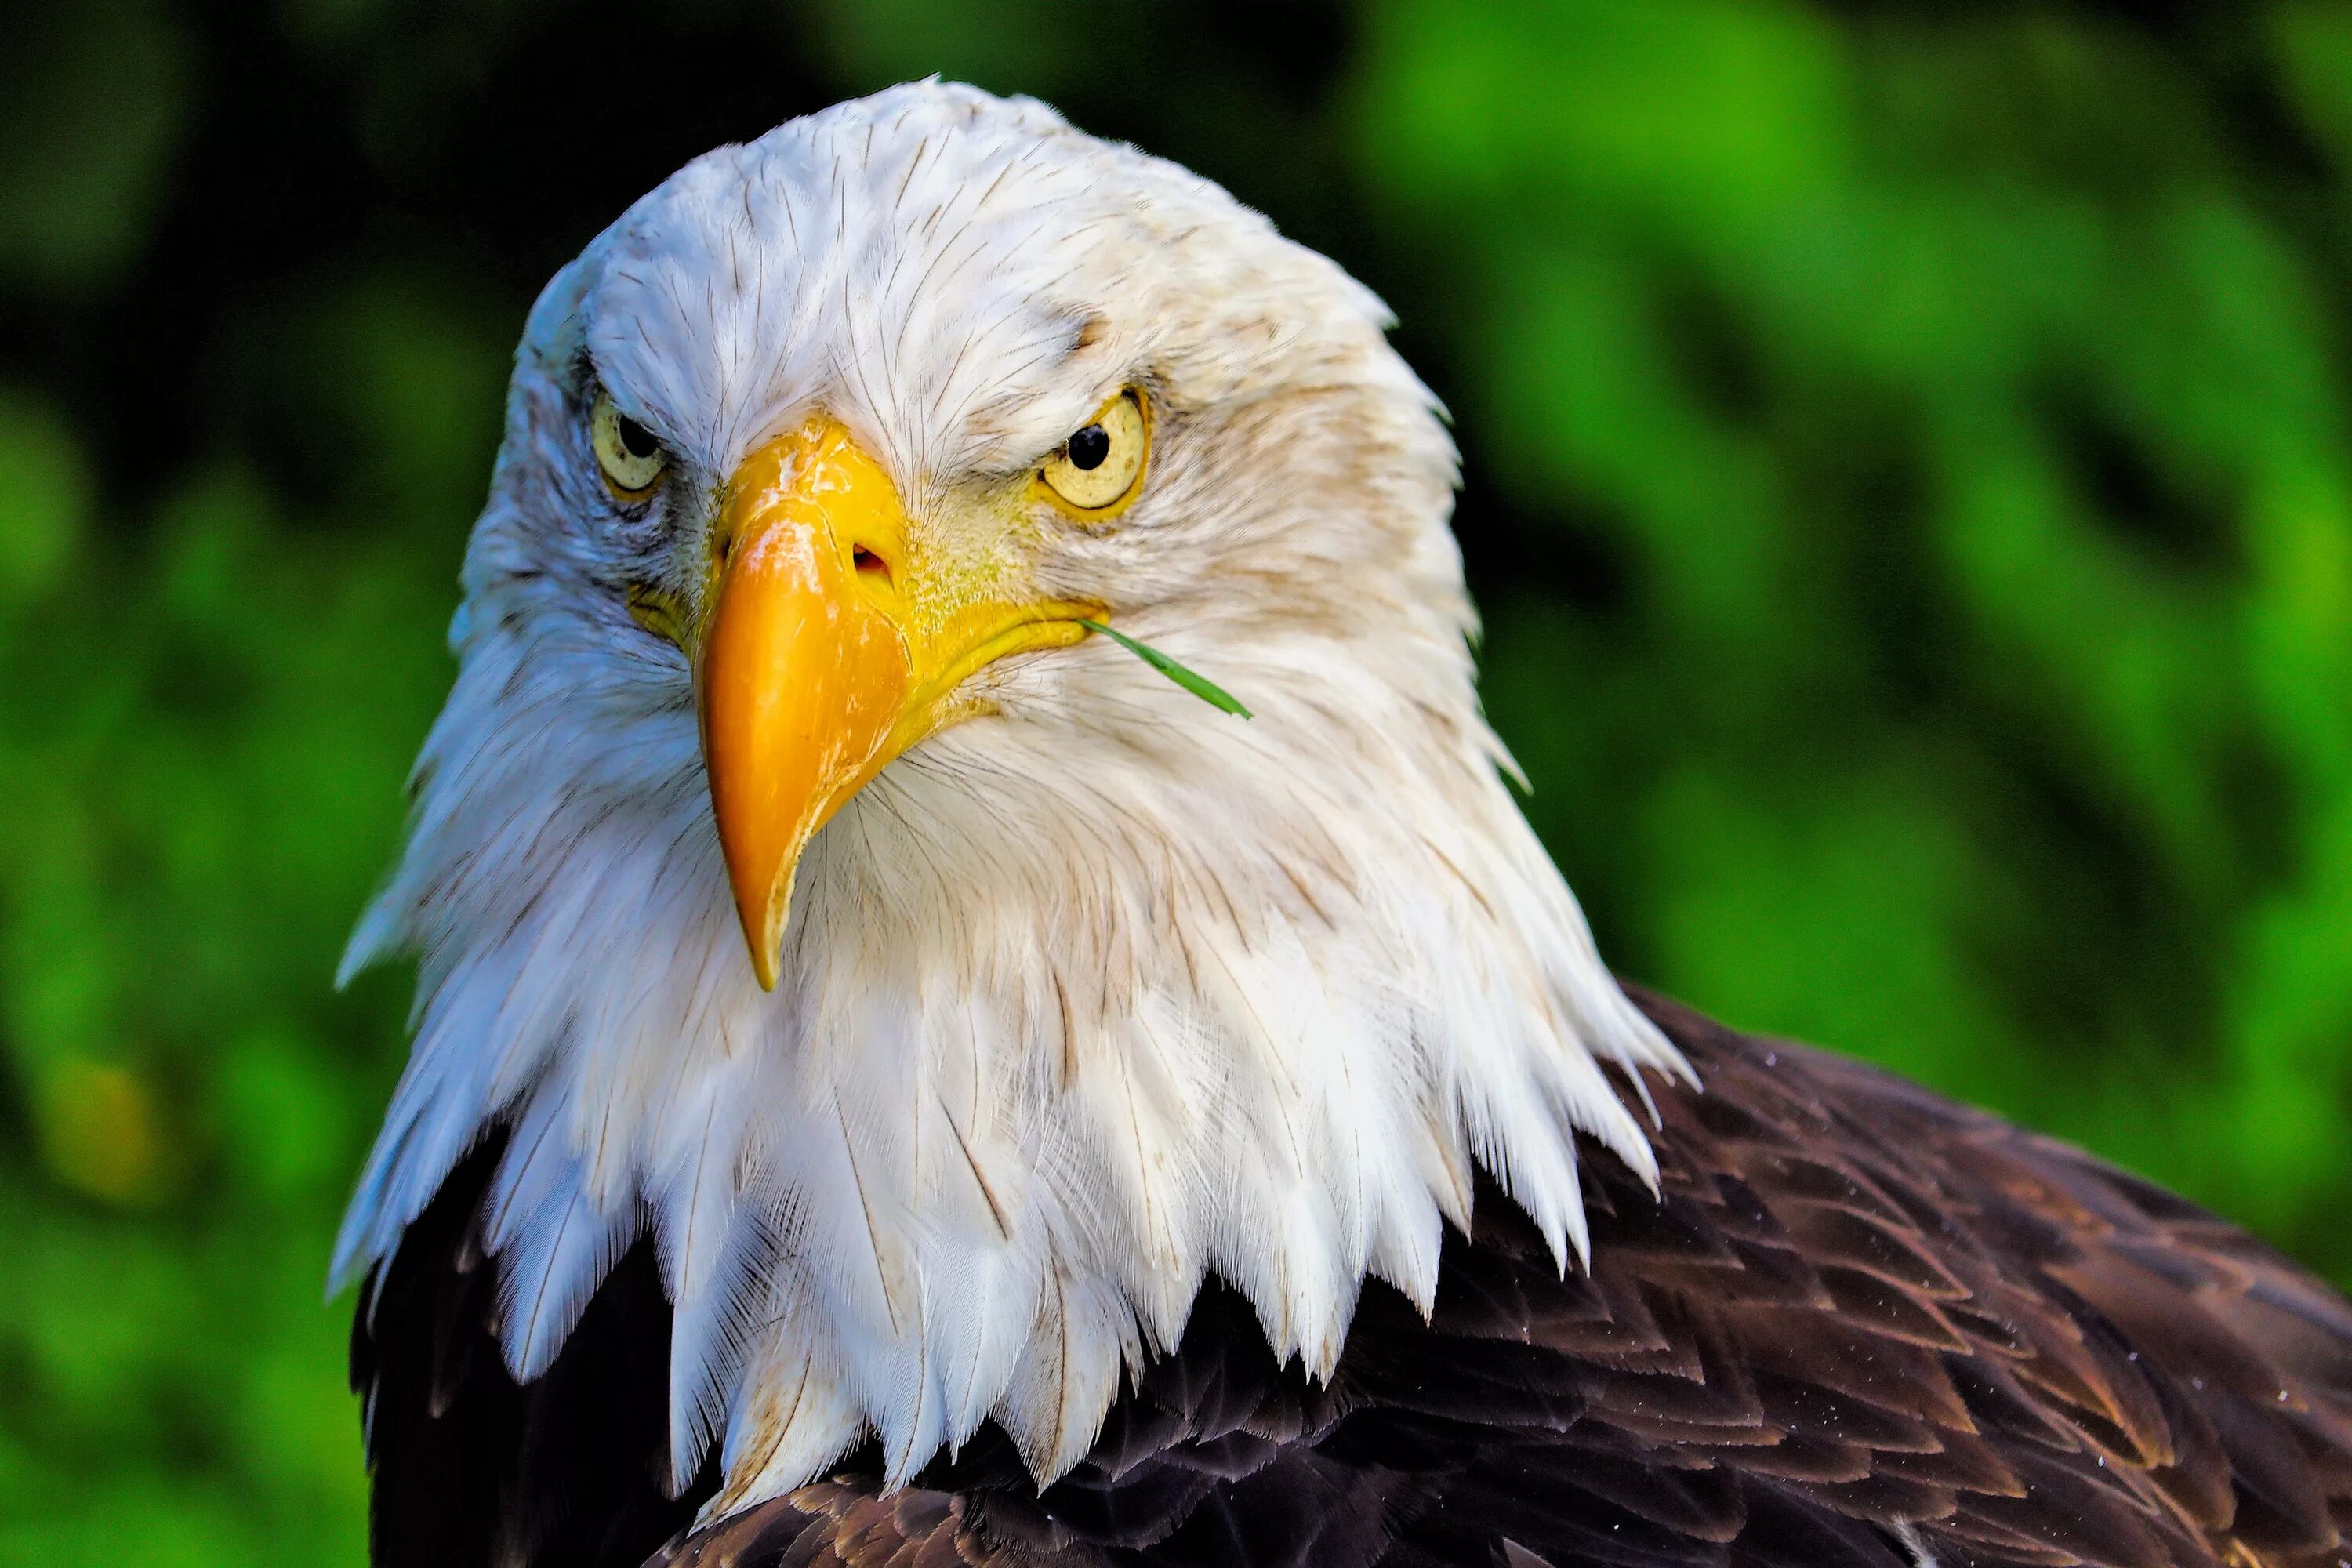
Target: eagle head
{"x": 798, "y": 874}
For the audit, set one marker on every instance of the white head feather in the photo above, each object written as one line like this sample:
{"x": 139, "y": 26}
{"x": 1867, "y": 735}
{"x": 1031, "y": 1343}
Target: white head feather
{"x": 1081, "y": 1000}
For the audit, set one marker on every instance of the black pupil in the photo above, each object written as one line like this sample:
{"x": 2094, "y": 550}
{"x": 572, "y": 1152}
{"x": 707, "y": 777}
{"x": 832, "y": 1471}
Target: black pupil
{"x": 636, "y": 440}
{"x": 1089, "y": 446}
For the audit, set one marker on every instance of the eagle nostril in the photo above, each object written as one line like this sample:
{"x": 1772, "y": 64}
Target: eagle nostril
{"x": 869, "y": 564}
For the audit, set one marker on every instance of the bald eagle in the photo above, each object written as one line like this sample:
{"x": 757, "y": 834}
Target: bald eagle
{"x": 896, "y": 1080}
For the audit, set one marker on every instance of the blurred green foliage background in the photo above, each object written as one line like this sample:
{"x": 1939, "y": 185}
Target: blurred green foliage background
{"x": 1910, "y": 482}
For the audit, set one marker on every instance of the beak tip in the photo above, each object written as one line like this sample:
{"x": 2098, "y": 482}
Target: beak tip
{"x": 763, "y": 943}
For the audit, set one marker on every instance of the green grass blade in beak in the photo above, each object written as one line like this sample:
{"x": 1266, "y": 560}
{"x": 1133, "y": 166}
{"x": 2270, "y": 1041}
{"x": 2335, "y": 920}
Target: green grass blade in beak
{"x": 1200, "y": 686}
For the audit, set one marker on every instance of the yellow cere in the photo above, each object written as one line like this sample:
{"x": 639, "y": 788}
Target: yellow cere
{"x": 1099, "y": 470}
{"x": 838, "y": 639}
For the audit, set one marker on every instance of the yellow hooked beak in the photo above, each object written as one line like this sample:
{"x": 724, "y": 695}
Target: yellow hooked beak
{"x": 837, "y": 641}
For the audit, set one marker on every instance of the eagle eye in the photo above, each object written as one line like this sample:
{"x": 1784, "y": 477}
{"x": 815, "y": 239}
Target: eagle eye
{"x": 1100, "y": 466}
{"x": 628, "y": 453}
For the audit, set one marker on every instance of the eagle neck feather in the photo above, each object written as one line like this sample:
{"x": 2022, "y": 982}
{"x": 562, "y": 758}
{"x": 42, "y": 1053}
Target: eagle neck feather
{"x": 1048, "y": 1051}
{"x": 1084, "y": 1000}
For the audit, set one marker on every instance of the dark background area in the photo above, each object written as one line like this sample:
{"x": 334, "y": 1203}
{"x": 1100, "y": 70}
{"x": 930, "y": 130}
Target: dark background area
{"x": 1908, "y": 478}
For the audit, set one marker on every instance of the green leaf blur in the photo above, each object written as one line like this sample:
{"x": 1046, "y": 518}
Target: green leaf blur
{"x": 1908, "y": 464}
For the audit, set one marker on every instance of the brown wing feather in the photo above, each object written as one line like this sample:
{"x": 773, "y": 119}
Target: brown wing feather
{"x": 2161, "y": 1387}
{"x": 1858, "y": 1325}
{"x": 473, "y": 1471}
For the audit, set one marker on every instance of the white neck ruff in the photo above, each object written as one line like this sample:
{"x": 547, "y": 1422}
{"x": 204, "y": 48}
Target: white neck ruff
{"x": 1047, "y": 1049}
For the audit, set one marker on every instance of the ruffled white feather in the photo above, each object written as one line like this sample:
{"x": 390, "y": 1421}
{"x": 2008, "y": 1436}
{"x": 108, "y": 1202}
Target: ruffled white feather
{"x": 1083, "y": 999}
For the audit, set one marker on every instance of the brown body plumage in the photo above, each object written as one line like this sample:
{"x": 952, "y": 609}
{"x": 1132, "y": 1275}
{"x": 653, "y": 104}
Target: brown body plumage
{"x": 1859, "y": 1324}
{"x": 899, "y": 1084}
